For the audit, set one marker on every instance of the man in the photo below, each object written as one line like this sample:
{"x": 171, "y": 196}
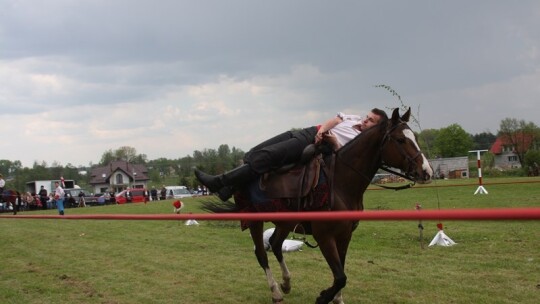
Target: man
{"x": 43, "y": 196}
{"x": 59, "y": 195}
{"x": 2, "y": 186}
{"x": 287, "y": 148}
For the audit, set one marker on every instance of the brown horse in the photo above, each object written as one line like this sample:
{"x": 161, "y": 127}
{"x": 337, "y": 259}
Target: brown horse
{"x": 392, "y": 144}
{"x": 11, "y": 198}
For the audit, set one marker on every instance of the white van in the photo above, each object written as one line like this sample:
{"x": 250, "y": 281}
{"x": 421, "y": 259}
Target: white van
{"x": 177, "y": 192}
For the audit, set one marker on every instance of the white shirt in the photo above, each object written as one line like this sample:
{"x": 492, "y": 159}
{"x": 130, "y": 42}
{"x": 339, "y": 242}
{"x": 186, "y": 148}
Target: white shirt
{"x": 60, "y": 192}
{"x": 345, "y": 131}
{"x": 2, "y": 183}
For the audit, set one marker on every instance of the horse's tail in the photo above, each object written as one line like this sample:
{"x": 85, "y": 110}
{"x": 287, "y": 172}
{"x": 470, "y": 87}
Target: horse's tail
{"x": 214, "y": 206}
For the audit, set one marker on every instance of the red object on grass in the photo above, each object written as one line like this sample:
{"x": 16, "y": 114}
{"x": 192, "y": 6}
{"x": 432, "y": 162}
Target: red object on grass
{"x": 177, "y": 204}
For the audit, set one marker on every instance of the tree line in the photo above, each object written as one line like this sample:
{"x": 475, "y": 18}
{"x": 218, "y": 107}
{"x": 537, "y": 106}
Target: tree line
{"x": 450, "y": 141}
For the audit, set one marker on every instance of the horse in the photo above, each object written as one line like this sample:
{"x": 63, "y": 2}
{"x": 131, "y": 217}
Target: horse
{"x": 11, "y": 198}
{"x": 391, "y": 143}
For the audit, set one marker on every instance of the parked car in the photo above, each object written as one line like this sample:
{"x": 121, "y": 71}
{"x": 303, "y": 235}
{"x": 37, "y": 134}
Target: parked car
{"x": 137, "y": 196}
{"x": 98, "y": 199}
{"x": 178, "y": 192}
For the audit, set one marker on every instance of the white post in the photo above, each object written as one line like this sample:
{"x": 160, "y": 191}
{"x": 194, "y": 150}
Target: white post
{"x": 480, "y": 189}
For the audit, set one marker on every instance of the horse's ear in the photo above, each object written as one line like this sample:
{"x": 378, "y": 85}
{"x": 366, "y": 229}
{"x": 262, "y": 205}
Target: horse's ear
{"x": 407, "y": 115}
{"x": 395, "y": 116}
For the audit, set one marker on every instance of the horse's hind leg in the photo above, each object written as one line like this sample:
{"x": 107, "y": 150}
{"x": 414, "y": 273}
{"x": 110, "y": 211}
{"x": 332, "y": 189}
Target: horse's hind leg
{"x": 276, "y": 241}
{"x": 256, "y": 230}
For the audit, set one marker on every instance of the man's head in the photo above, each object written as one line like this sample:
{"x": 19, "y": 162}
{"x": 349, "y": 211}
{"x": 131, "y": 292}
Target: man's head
{"x": 56, "y": 184}
{"x": 373, "y": 118}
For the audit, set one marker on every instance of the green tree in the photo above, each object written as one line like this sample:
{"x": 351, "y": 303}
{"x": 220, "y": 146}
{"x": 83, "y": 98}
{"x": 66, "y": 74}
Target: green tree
{"x": 107, "y": 157}
{"x": 8, "y": 168}
{"x": 426, "y": 140}
{"x": 124, "y": 153}
{"x": 453, "y": 141}
{"x": 483, "y": 141}
{"x": 532, "y": 162}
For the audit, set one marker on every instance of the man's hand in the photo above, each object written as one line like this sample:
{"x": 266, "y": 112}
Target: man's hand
{"x": 332, "y": 140}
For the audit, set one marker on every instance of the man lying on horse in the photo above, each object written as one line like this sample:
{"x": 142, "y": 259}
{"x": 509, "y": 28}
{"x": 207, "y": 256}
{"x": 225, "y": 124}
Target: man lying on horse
{"x": 287, "y": 148}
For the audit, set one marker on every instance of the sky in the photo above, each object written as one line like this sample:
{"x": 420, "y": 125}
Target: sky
{"x": 79, "y": 78}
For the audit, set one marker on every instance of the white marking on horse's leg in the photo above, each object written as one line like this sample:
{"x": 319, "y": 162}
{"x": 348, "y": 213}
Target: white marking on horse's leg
{"x": 277, "y": 297}
{"x": 286, "y": 275}
{"x": 338, "y": 298}
{"x": 425, "y": 163}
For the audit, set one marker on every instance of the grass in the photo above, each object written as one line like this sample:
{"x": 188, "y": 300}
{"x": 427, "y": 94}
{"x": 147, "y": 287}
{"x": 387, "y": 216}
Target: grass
{"x": 101, "y": 261}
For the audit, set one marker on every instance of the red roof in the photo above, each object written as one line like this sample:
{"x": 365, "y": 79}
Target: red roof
{"x": 496, "y": 148}
{"x": 522, "y": 143}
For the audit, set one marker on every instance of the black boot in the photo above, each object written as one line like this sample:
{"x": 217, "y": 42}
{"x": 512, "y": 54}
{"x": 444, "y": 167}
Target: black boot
{"x": 212, "y": 182}
{"x": 223, "y": 184}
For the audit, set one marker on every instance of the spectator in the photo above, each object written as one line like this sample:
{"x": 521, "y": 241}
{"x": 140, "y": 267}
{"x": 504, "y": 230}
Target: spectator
{"x": 82, "y": 202}
{"x": 153, "y": 193}
{"x": 18, "y": 203}
{"x": 2, "y": 186}
{"x": 146, "y": 195}
{"x": 29, "y": 199}
{"x": 128, "y": 195}
{"x": 52, "y": 201}
{"x": 163, "y": 193}
{"x": 106, "y": 198}
{"x": 43, "y": 197}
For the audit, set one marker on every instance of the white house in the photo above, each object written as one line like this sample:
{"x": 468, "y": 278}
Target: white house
{"x": 118, "y": 175}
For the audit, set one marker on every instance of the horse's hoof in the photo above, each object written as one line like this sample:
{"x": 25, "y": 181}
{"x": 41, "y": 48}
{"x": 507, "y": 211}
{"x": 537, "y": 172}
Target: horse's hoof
{"x": 285, "y": 289}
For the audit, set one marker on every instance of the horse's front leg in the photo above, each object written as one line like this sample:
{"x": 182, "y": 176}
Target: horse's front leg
{"x": 256, "y": 231}
{"x": 333, "y": 246}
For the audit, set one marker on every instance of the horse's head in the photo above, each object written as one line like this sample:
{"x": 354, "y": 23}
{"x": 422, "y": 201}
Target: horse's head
{"x": 401, "y": 150}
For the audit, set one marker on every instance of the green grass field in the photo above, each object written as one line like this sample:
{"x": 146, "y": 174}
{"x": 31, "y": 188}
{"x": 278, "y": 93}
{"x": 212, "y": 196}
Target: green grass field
{"x": 106, "y": 261}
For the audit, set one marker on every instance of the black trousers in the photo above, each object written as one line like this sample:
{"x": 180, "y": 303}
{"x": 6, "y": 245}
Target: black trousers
{"x": 285, "y": 148}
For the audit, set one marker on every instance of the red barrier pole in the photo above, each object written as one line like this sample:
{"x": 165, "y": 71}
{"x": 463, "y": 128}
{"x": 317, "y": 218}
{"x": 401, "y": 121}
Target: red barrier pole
{"x": 455, "y": 214}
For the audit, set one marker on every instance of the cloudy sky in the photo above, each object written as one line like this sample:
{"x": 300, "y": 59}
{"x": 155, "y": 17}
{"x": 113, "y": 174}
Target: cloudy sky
{"x": 78, "y": 78}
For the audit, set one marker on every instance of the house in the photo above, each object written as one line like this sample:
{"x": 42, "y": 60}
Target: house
{"x": 118, "y": 175}
{"x": 506, "y": 154}
{"x": 451, "y": 167}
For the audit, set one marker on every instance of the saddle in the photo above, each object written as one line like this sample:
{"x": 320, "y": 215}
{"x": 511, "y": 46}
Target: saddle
{"x": 294, "y": 180}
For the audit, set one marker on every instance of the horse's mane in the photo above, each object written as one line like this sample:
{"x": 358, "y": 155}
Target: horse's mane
{"x": 380, "y": 128}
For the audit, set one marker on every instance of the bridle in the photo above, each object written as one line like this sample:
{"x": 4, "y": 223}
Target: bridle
{"x": 410, "y": 160}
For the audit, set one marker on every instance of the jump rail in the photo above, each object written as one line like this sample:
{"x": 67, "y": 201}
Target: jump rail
{"x": 405, "y": 215}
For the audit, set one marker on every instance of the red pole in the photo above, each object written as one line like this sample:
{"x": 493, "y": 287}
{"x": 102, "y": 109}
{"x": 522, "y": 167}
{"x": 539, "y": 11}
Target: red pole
{"x": 454, "y": 214}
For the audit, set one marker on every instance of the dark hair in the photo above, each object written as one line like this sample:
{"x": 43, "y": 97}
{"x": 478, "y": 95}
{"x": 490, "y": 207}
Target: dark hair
{"x": 381, "y": 114}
